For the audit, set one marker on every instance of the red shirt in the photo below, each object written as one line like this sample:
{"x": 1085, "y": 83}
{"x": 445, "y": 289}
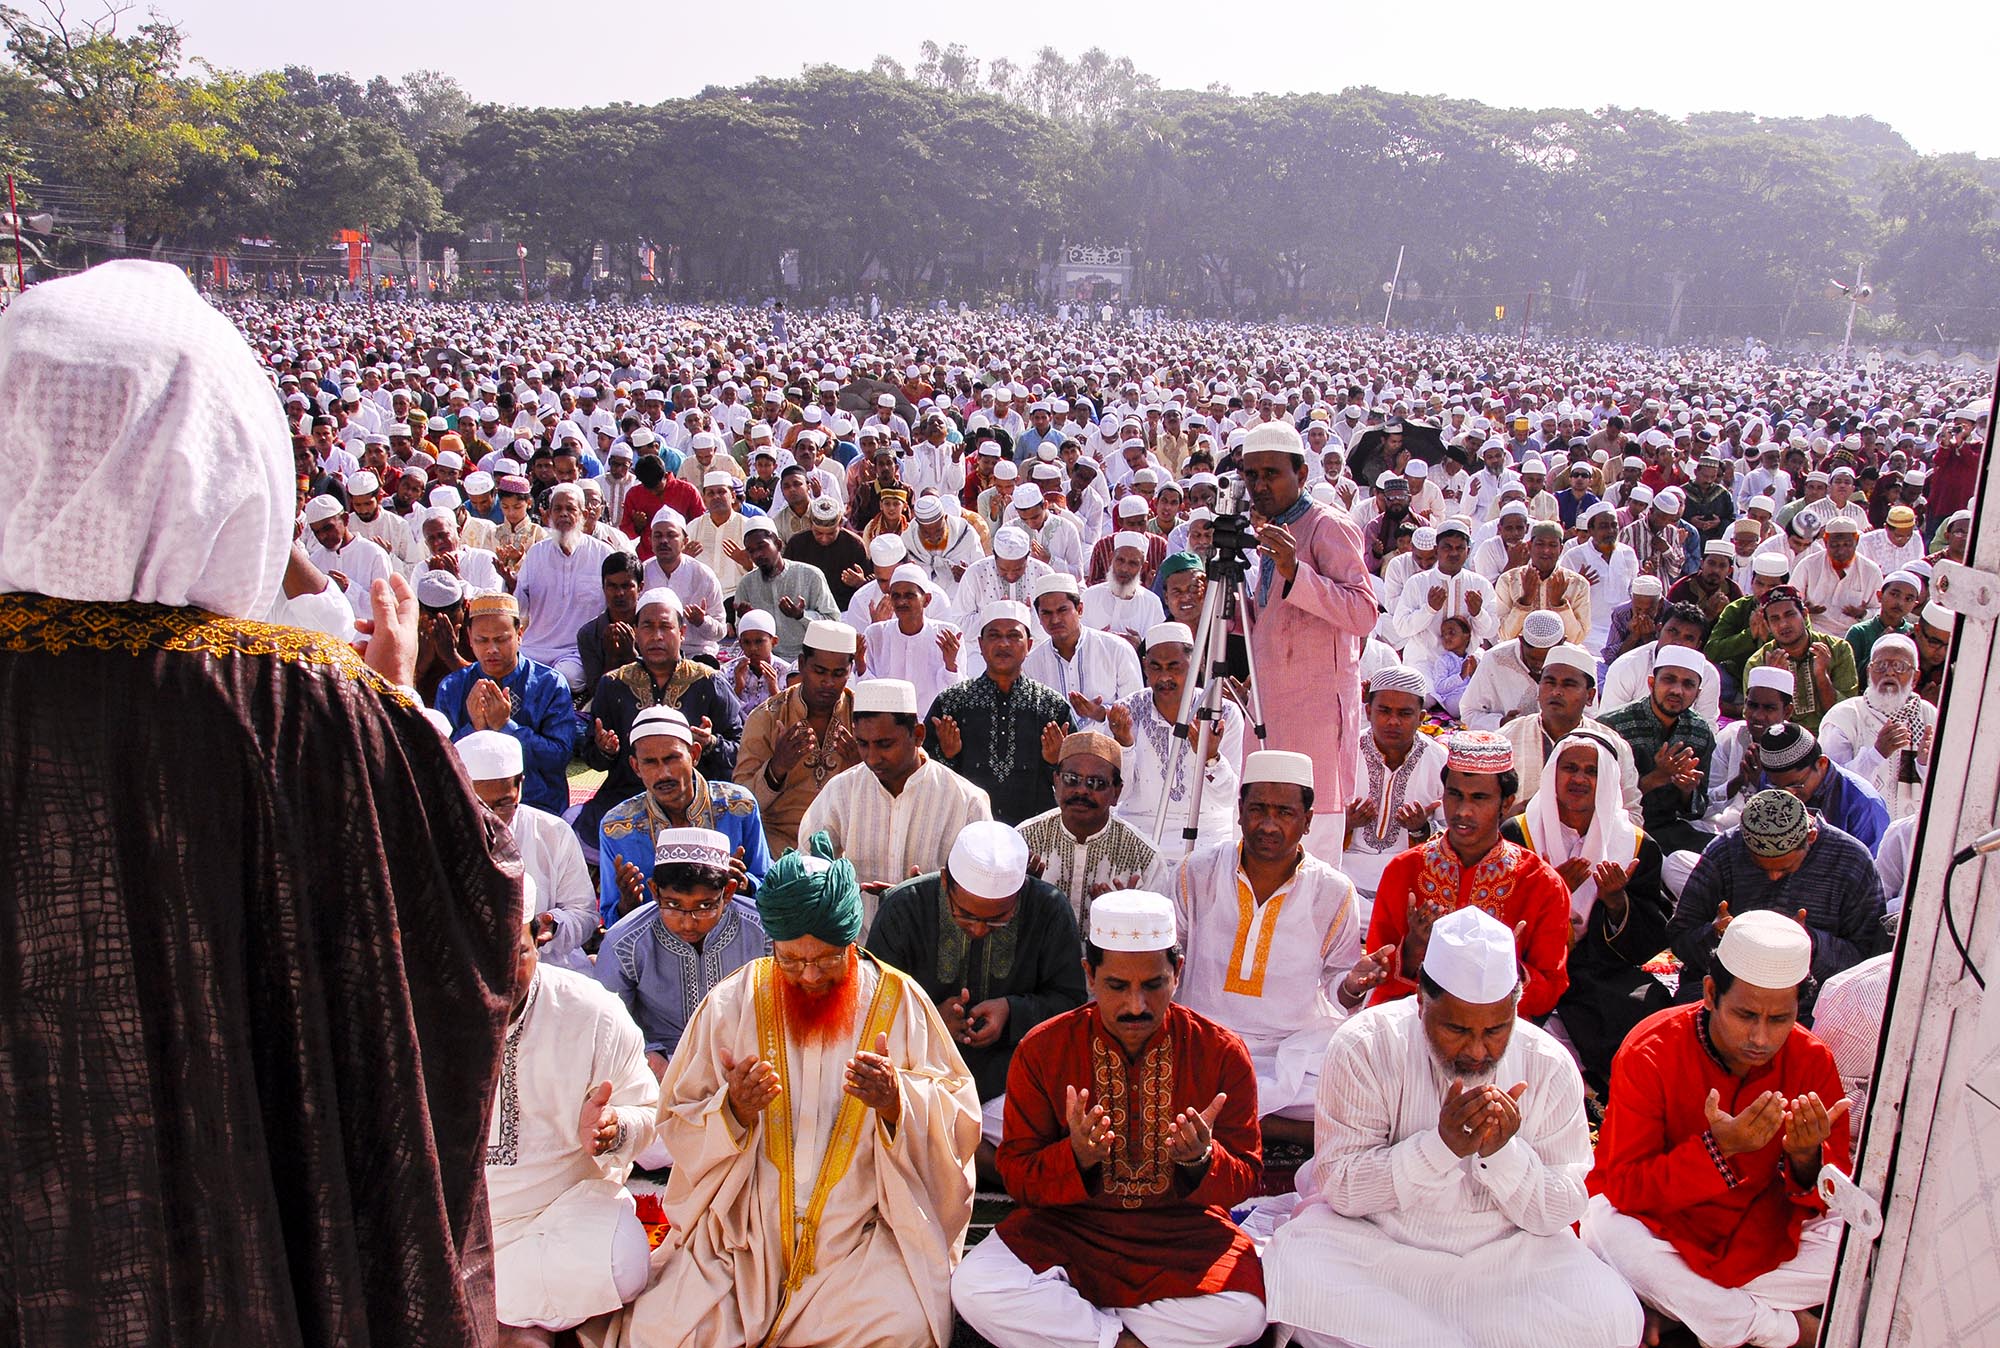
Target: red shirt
{"x": 1732, "y": 1219}
{"x": 1134, "y": 1230}
{"x": 642, "y": 503}
{"x": 1510, "y": 883}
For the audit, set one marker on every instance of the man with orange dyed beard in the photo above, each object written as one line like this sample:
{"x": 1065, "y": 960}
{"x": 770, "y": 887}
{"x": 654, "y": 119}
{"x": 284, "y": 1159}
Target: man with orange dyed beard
{"x": 823, "y": 1126}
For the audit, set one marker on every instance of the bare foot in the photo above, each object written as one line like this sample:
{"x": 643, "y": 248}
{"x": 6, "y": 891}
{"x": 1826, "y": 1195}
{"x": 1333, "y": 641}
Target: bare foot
{"x": 1808, "y": 1328}
{"x": 1655, "y": 1325}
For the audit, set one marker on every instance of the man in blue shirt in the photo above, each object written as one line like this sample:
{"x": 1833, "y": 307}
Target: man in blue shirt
{"x": 1792, "y": 761}
{"x": 506, "y": 691}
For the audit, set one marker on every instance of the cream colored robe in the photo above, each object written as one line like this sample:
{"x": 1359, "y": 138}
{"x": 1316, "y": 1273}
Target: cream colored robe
{"x": 894, "y": 1225}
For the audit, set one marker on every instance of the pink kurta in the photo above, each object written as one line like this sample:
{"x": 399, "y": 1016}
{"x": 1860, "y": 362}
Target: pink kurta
{"x": 1305, "y": 646}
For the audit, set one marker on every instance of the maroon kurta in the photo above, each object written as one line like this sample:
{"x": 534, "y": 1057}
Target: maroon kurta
{"x": 1133, "y": 1231}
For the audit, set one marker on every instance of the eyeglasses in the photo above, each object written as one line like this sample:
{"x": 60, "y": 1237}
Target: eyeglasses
{"x": 958, "y": 914}
{"x": 704, "y": 909}
{"x": 1893, "y": 667}
{"x": 826, "y": 964}
{"x": 1072, "y": 780}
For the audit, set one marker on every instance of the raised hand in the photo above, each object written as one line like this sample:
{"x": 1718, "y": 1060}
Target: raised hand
{"x": 792, "y": 605}
{"x": 1119, "y": 717}
{"x": 1574, "y": 872}
{"x": 986, "y": 1022}
{"x": 1460, "y": 1117}
{"x": 1371, "y": 971}
{"x": 1503, "y": 1117}
{"x": 871, "y": 1079}
{"x": 597, "y": 1122}
{"x": 1360, "y": 813}
{"x": 794, "y": 744}
{"x": 634, "y": 887}
{"x": 1189, "y": 1135}
{"x": 853, "y": 577}
{"x": 949, "y": 641}
{"x": 950, "y": 740}
{"x": 704, "y": 735}
{"x": 752, "y": 1085}
{"x": 953, "y": 1010}
{"x": 1722, "y": 916}
{"x": 1751, "y": 1130}
{"x": 1053, "y": 736}
{"x": 391, "y": 631}
{"x": 694, "y": 615}
{"x": 1090, "y": 1135}
{"x": 1808, "y": 1124}
{"x": 1088, "y": 709}
{"x": 606, "y": 737}
{"x": 1413, "y": 815}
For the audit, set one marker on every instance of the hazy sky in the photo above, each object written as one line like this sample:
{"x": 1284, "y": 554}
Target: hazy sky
{"x": 1907, "y": 67}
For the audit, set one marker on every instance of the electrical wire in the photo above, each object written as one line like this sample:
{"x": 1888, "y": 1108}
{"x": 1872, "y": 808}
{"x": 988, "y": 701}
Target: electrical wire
{"x": 1951, "y": 921}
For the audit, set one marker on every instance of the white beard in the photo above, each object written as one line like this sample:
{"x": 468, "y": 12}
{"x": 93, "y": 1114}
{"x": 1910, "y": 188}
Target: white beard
{"x": 1125, "y": 590}
{"x": 567, "y": 539}
{"x": 1886, "y": 699}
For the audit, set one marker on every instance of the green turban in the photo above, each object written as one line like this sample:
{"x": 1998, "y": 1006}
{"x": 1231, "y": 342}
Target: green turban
{"x": 811, "y": 894}
{"x": 1179, "y": 562}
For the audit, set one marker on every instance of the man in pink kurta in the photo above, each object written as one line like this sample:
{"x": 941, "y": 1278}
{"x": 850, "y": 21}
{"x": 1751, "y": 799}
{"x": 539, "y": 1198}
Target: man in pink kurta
{"x": 1312, "y": 607}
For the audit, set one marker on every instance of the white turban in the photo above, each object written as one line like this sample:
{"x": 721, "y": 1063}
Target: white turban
{"x": 185, "y": 495}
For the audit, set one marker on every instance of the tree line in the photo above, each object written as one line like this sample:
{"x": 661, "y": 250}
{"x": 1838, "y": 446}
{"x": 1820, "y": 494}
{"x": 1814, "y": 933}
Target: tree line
{"x": 954, "y": 178}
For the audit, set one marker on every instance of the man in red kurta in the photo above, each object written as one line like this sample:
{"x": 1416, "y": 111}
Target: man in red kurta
{"x": 1470, "y": 865}
{"x": 1703, "y": 1191}
{"x": 1131, "y": 1130}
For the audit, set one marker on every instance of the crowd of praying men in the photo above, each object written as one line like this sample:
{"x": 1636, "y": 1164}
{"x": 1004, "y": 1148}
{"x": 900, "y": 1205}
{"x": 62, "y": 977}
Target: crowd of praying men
{"x": 1597, "y": 689}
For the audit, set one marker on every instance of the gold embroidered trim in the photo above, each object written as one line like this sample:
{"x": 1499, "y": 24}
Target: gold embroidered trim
{"x": 1139, "y": 1165}
{"x": 37, "y": 624}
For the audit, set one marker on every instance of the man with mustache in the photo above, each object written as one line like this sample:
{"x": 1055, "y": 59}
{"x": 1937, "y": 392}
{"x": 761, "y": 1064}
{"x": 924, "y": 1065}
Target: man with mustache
{"x": 1883, "y": 734}
{"x": 822, "y": 1126}
{"x": 1703, "y": 1193}
{"x": 1131, "y": 1130}
{"x": 560, "y": 586}
{"x": 1453, "y": 1147}
{"x": 1080, "y": 846}
{"x": 1143, "y": 724}
{"x": 1273, "y": 939}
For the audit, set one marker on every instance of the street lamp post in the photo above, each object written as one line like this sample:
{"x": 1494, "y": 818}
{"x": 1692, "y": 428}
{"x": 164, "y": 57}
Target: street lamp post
{"x": 521, "y": 256}
{"x": 1857, "y": 295}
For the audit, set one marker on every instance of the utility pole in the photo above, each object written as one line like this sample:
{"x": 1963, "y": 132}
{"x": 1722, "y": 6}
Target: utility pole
{"x": 1391, "y": 287}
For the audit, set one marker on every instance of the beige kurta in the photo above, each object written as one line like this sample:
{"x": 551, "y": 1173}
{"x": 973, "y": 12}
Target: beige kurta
{"x": 893, "y": 1225}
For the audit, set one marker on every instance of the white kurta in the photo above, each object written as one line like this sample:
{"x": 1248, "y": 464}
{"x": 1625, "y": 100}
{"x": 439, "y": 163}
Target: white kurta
{"x": 695, "y": 583}
{"x": 983, "y": 583}
{"x": 362, "y": 562}
{"x": 1134, "y": 614}
{"x": 887, "y": 837}
{"x": 1859, "y": 586}
{"x": 1612, "y": 588}
{"x": 1416, "y": 623}
{"x": 1847, "y": 737}
{"x": 1269, "y": 971}
{"x": 555, "y": 1208}
{"x": 395, "y": 535}
{"x": 559, "y": 592}
{"x": 1148, "y": 792}
{"x": 896, "y": 654}
{"x": 551, "y": 853}
{"x": 712, "y": 536}
{"x": 1397, "y": 1243}
{"x": 1104, "y": 668}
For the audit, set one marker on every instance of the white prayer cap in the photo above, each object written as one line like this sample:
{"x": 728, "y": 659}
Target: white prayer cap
{"x": 1647, "y": 587}
{"x": 1401, "y": 679}
{"x": 1678, "y": 657}
{"x": 716, "y": 477}
{"x": 1937, "y": 615}
{"x": 443, "y": 498}
{"x": 1170, "y": 634}
{"x": 1769, "y": 565}
{"x": 895, "y": 697}
{"x": 1424, "y": 539}
{"x": 1471, "y": 956}
{"x": 439, "y": 589}
{"x": 1006, "y": 610}
{"x": 1278, "y": 765}
{"x": 1011, "y": 543}
{"x": 363, "y": 483}
{"x": 659, "y": 594}
{"x": 697, "y": 846}
{"x": 1005, "y": 470}
{"x": 1128, "y": 538}
{"x": 1542, "y": 629}
{"x": 824, "y": 509}
{"x": 1765, "y": 949}
{"x": 834, "y": 637}
{"x": 1893, "y": 641}
{"x": 928, "y": 509}
{"x": 756, "y": 620}
{"x": 703, "y": 440}
{"x": 323, "y": 508}
{"x": 989, "y": 860}
{"x": 1132, "y": 919}
{"x": 1718, "y": 547}
{"x": 757, "y": 524}
{"x": 909, "y": 573}
{"x": 656, "y": 721}
{"x": 1056, "y": 582}
{"x": 1778, "y": 680}
{"x": 1416, "y": 468}
{"x": 1767, "y": 504}
{"x": 668, "y": 515}
{"x": 439, "y": 721}
{"x": 1574, "y": 657}
{"x": 887, "y": 550}
{"x": 1513, "y": 510}
{"x": 1273, "y": 437}
{"x": 490, "y": 756}
{"x": 1668, "y": 501}
{"x": 1027, "y": 496}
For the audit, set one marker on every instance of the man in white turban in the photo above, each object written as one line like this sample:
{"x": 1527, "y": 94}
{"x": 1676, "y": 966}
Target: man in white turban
{"x": 259, "y": 1114}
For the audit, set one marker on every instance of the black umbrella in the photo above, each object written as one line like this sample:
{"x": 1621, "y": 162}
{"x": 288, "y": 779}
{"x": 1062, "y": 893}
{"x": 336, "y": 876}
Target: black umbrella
{"x": 1367, "y": 459}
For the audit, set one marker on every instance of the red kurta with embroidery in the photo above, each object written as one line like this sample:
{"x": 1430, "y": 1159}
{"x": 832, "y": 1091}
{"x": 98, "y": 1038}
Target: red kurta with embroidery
{"x": 1134, "y": 1230}
{"x": 1510, "y": 883}
{"x": 1731, "y": 1218}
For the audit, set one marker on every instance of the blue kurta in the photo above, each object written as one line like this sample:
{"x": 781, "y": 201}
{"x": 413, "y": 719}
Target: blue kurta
{"x": 662, "y": 979}
{"x": 543, "y": 718}
{"x": 628, "y": 829}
